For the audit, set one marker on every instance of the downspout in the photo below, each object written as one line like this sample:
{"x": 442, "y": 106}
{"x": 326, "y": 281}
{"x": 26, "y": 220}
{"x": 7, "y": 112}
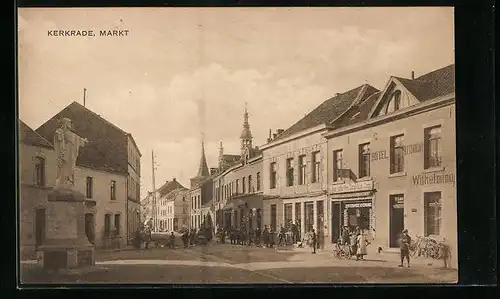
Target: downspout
{"x": 126, "y": 212}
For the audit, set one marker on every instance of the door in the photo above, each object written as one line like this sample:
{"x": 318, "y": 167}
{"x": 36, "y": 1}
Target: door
{"x": 39, "y": 227}
{"x": 336, "y": 221}
{"x": 90, "y": 227}
{"x": 396, "y": 219}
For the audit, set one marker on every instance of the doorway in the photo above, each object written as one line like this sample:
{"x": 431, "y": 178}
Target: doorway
{"x": 39, "y": 227}
{"x": 396, "y": 219}
{"x": 90, "y": 227}
{"x": 336, "y": 221}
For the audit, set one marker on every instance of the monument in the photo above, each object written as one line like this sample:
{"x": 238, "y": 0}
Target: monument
{"x": 66, "y": 245}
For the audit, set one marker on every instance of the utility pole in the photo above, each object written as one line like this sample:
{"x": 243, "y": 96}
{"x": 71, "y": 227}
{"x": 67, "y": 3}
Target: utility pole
{"x": 84, "y": 94}
{"x": 154, "y": 192}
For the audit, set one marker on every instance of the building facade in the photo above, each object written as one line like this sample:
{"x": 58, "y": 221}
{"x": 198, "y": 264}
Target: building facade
{"x": 37, "y": 176}
{"x": 174, "y": 210}
{"x": 398, "y": 151}
{"x": 295, "y": 167}
{"x": 200, "y": 192}
{"x": 133, "y": 188}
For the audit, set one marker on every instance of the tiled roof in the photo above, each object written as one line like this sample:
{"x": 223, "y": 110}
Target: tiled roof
{"x": 107, "y": 147}
{"x": 231, "y": 158}
{"x": 360, "y": 112}
{"x": 168, "y": 187}
{"x": 173, "y": 195}
{"x": 432, "y": 85}
{"x": 328, "y": 111}
{"x": 29, "y": 137}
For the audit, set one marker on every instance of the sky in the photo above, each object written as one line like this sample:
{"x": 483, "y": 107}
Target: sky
{"x": 181, "y": 72}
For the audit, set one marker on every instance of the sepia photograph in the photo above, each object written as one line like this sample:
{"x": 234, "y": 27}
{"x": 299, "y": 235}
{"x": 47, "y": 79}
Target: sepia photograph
{"x": 226, "y": 145}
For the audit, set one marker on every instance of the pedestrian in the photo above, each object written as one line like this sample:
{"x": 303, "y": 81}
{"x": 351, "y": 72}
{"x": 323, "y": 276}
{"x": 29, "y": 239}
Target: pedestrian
{"x": 362, "y": 243}
{"x": 353, "y": 243}
{"x": 281, "y": 233}
{"x": 265, "y": 236}
{"x": 185, "y": 239}
{"x": 147, "y": 236}
{"x": 172, "y": 240}
{"x": 345, "y": 236}
{"x": 404, "y": 246}
{"x": 313, "y": 240}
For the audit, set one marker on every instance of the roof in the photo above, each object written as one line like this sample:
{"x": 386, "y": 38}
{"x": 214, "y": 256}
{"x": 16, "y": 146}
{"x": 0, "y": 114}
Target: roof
{"x": 172, "y": 195}
{"x": 135, "y": 144}
{"x": 432, "y": 85}
{"x": 361, "y": 112}
{"x": 168, "y": 187}
{"x": 29, "y": 137}
{"x": 329, "y": 110}
{"x": 203, "y": 169}
{"x": 107, "y": 147}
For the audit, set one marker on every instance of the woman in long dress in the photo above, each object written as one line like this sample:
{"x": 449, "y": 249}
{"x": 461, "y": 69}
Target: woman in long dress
{"x": 362, "y": 244}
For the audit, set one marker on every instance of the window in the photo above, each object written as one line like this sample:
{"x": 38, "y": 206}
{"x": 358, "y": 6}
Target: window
{"x": 397, "y": 154}
{"x": 337, "y": 164}
{"x": 117, "y": 223}
{"x": 396, "y": 100}
{"x": 39, "y": 171}
{"x": 90, "y": 187}
{"x": 320, "y": 218}
{"x": 432, "y": 147}
{"x": 112, "y": 190}
{"x": 243, "y": 184}
{"x": 237, "y": 186}
{"x": 258, "y": 181}
{"x": 289, "y": 172}
{"x": 107, "y": 223}
{"x": 272, "y": 177}
{"x": 364, "y": 160}
{"x": 316, "y": 160}
{"x": 432, "y": 201}
{"x": 273, "y": 217}
{"x": 302, "y": 170}
{"x": 250, "y": 184}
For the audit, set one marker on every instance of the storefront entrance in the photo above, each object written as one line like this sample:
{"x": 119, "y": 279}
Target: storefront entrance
{"x": 39, "y": 227}
{"x": 336, "y": 221}
{"x": 357, "y": 215}
{"x": 396, "y": 219}
{"x": 90, "y": 227}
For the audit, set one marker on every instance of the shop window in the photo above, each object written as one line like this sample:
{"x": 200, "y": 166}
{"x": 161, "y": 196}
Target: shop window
{"x": 337, "y": 164}
{"x": 302, "y": 170}
{"x": 432, "y": 213}
{"x": 272, "y": 176}
{"x": 364, "y": 160}
{"x": 309, "y": 216}
{"x": 273, "y": 217}
{"x": 397, "y": 154}
{"x": 288, "y": 214}
{"x": 297, "y": 213}
{"x": 320, "y": 210}
{"x": 289, "y": 172}
{"x": 432, "y": 147}
{"x": 316, "y": 167}
{"x": 39, "y": 171}
{"x": 258, "y": 181}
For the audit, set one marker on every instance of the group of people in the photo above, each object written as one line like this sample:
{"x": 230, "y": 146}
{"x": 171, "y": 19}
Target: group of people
{"x": 356, "y": 240}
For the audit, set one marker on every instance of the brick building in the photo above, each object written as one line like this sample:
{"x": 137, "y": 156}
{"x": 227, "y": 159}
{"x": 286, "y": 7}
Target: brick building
{"x": 107, "y": 172}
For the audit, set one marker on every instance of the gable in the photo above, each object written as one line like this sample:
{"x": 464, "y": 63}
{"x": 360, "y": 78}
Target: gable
{"x": 395, "y": 96}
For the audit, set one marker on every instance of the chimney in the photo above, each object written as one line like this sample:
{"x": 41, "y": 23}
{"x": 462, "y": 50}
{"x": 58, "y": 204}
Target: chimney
{"x": 413, "y": 75}
{"x": 337, "y": 94}
{"x": 269, "y": 139}
{"x": 174, "y": 180}
{"x": 274, "y": 135}
{"x": 279, "y": 131}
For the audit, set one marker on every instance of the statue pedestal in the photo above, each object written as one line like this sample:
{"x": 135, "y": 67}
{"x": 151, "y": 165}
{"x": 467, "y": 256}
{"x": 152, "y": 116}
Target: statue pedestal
{"x": 66, "y": 245}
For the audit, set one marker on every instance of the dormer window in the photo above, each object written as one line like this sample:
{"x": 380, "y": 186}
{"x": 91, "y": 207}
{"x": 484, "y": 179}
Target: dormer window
{"x": 396, "y": 100}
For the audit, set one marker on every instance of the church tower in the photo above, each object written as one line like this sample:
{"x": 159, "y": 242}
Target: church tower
{"x": 246, "y": 136}
{"x": 203, "y": 169}
{"x": 221, "y": 157}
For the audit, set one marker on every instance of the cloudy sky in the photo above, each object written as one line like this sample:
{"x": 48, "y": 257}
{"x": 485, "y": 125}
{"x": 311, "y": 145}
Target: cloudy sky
{"x": 181, "y": 71}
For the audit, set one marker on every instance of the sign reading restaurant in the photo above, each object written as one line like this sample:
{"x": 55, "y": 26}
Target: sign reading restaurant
{"x": 352, "y": 187}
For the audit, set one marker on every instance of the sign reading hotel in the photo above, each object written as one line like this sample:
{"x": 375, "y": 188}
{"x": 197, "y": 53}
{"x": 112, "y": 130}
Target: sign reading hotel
{"x": 407, "y": 150}
{"x": 352, "y": 187}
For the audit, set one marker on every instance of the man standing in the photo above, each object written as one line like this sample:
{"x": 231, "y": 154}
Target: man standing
{"x": 313, "y": 240}
{"x": 404, "y": 245}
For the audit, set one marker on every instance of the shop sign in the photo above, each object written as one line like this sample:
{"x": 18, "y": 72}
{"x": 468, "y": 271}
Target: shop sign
{"x": 430, "y": 179}
{"x": 359, "y": 205}
{"x": 407, "y": 150}
{"x": 352, "y": 187}
{"x": 398, "y": 203}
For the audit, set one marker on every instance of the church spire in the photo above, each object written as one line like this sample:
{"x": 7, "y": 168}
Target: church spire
{"x": 246, "y": 134}
{"x": 203, "y": 170}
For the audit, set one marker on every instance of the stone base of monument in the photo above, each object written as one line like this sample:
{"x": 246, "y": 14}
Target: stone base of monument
{"x": 66, "y": 245}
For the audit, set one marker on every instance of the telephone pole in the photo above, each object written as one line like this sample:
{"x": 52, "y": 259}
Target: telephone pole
{"x": 154, "y": 190}
{"x": 84, "y": 94}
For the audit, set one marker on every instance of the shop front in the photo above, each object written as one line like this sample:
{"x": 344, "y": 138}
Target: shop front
{"x": 244, "y": 212}
{"x": 352, "y": 207}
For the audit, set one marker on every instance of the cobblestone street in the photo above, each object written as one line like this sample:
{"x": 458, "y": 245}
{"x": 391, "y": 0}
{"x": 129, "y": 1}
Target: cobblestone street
{"x": 216, "y": 264}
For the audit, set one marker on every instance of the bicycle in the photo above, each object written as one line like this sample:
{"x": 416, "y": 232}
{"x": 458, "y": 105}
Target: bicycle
{"x": 342, "y": 251}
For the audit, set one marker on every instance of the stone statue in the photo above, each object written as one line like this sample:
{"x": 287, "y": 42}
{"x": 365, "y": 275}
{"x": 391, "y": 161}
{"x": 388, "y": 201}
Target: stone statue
{"x": 67, "y": 145}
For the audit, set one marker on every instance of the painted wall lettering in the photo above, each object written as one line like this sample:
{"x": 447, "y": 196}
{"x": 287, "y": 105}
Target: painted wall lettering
{"x": 429, "y": 179}
{"x": 407, "y": 150}
{"x": 379, "y": 155}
